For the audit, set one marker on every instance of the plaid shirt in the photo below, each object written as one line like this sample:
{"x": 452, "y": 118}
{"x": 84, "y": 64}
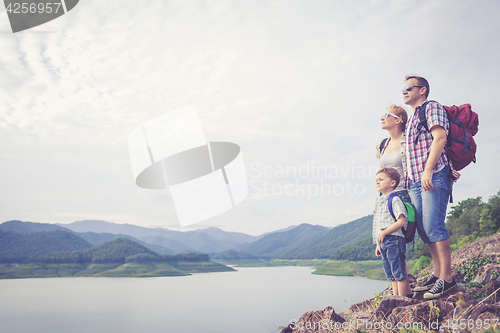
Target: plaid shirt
{"x": 383, "y": 219}
{"x": 418, "y": 152}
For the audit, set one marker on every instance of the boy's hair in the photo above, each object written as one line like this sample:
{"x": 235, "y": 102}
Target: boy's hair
{"x": 421, "y": 82}
{"x": 392, "y": 173}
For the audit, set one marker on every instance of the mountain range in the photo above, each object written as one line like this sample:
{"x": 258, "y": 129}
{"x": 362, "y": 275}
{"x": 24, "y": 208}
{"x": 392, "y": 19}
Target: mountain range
{"x": 305, "y": 241}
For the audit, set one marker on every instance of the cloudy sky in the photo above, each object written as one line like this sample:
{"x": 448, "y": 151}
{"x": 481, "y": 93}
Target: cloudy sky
{"x": 298, "y": 85}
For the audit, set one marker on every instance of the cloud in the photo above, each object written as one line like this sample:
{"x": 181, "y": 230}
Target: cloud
{"x": 290, "y": 82}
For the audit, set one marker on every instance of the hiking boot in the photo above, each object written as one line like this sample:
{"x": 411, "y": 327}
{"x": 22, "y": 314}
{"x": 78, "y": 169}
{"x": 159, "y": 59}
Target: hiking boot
{"x": 440, "y": 288}
{"x": 427, "y": 285}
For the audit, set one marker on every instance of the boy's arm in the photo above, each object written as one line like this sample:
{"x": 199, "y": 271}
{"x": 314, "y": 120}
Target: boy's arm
{"x": 395, "y": 226}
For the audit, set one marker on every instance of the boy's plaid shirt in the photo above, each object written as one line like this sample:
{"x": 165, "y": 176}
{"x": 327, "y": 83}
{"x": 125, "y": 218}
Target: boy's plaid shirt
{"x": 383, "y": 219}
{"x": 418, "y": 152}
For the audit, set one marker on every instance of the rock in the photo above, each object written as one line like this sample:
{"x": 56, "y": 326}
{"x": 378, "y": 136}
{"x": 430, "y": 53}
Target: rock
{"x": 366, "y": 305}
{"x": 428, "y": 313}
{"x": 288, "y": 329}
{"x": 487, "y": 272}
{"x": 389, "y": 303}
{"x": 317, "y": 321}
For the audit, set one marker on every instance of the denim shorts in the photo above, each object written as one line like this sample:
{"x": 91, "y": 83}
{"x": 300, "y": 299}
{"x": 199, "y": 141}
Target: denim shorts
{"x": 393, "y": 250}
{"x": 404, "y": 195}
{"x": 430, "y": 207}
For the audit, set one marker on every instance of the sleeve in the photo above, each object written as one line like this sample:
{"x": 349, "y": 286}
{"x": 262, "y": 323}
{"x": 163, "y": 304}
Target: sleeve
{"x": 436, "y": 115}
{"x": 398, "y": 207}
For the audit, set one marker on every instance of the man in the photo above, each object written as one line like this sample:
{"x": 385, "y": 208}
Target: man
{"x": 429, "y": 182}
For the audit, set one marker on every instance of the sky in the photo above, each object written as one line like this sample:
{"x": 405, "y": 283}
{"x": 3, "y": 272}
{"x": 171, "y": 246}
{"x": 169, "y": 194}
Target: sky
{"x": 299, "y": 85}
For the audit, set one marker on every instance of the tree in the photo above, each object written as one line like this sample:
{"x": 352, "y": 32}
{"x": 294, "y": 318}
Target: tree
{"x": 489, "y": 222}
{"x": 463, "y": 218}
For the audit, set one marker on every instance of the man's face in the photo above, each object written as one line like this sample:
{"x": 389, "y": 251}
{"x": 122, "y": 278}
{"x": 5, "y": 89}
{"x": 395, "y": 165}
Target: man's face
{"x": 413, "y": 96}
{"x": 384, "y": 184}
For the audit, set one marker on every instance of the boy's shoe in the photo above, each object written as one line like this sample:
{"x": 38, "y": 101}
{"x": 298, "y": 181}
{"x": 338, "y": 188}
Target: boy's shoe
{"x": 440, "y": 288}
{"x": 427, "y": 285}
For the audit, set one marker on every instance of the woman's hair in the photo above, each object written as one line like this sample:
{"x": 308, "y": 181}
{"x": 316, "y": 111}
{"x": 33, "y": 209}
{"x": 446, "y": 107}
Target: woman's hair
{"x": 399, "y": 111}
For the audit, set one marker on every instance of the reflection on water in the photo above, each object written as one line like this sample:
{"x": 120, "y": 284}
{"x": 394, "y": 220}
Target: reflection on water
{"x": 251, "y": 300}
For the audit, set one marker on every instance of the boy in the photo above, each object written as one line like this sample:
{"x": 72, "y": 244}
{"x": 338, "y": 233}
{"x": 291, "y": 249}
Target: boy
{"x": 387, "y": 233}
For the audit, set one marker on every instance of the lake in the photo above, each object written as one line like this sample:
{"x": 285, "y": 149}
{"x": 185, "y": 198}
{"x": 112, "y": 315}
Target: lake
{"x": 251, "y": 300}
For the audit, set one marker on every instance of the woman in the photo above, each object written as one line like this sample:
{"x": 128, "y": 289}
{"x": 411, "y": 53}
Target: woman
{"x": 391, "y": 152}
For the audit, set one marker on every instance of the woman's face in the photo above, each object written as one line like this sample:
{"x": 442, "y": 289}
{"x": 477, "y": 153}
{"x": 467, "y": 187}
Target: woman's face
{"x": 389, "y": 119}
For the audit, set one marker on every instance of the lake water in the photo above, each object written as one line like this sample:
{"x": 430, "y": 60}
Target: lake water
{"x": 251, "y": 300}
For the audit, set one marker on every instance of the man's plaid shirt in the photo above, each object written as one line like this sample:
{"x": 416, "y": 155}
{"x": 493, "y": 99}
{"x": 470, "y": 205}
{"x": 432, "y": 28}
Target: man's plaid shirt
{"x": 418, "y": 152}
{"x": 383, "y": 219}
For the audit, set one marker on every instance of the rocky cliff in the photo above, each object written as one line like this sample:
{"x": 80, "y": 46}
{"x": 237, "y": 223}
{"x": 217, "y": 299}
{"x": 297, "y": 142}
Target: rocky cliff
{"x": 473, "y": 306}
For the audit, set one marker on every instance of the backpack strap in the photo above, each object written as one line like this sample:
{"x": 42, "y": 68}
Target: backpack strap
{"x": 382, "y": 145}
{"x": 422, "y": 119}
{"x": 389, "y": 203}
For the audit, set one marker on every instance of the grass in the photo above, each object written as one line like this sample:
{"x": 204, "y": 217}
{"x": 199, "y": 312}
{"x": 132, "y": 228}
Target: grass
{"x": 372, "y": 269}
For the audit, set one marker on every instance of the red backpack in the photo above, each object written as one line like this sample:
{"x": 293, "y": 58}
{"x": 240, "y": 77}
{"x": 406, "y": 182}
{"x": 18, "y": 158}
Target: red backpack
{"x": 460, "y": 144}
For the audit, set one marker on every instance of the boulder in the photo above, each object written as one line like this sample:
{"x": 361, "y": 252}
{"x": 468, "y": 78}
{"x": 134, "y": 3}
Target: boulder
{"x": 427, "y": 313}
{"x": 317, "y": 321}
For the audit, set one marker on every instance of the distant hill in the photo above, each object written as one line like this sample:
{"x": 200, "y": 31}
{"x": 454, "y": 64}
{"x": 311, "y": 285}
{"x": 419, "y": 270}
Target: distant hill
{"x": 231, "y": 255}
{"x": 20, "y": 247}
{"x": 330, "y": 241}
{"x": 273, "y": 245}
{"x": 201, "y": 240}
{"x": 174, "y": 245}
{"x": 26, "y": 227}
{"x": 360, "y": 250}
{"x": 91, "y": 237}
{"x": 98, "y": 239}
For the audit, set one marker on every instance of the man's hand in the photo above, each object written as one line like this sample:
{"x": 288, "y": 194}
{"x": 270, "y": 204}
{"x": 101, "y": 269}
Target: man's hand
{"x": 377, "y": 251}
{"x": 456, "y": 175}
{"x": 426, "y": 181}
{"x": 437, "y": 146}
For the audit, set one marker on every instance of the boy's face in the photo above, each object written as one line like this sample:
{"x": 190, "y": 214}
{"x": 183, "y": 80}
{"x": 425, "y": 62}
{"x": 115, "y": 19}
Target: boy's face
{"x": 384, "y": 184}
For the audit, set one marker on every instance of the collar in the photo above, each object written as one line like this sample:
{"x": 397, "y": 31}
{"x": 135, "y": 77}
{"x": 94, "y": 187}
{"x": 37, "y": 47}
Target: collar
{"x": 418, "y": 107}
{"x": 385, "y": 197}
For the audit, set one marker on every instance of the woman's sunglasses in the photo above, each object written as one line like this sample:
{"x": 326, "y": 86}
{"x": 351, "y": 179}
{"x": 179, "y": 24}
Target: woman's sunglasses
{"x": 387, "y": 114}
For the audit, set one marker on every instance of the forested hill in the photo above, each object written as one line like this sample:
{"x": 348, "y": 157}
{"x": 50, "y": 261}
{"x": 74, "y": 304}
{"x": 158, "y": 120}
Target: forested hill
{"x": 16, "y": 247}
{"x": 330, "y": 241}
{"x": 119, "y": 250}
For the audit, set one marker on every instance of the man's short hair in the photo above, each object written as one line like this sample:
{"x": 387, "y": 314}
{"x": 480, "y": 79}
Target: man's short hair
{"x": 421, "y": 82}
{"x": 392, "y": 173}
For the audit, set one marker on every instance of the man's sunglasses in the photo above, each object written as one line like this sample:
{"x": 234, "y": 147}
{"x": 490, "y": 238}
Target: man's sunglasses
{"x": 409, "y": 88}
{"x": 387, "y": 114}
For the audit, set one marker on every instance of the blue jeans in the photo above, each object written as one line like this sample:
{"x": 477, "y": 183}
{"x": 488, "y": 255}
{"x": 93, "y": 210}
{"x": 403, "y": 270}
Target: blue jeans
{"x": 430, "y": 207}
{"x": 404, "y": 196}
{"x": 393, "y": 250}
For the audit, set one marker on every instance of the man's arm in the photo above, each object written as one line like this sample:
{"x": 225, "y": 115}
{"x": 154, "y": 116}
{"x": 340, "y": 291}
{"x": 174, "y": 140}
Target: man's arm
{"x": 438, "y": 142}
